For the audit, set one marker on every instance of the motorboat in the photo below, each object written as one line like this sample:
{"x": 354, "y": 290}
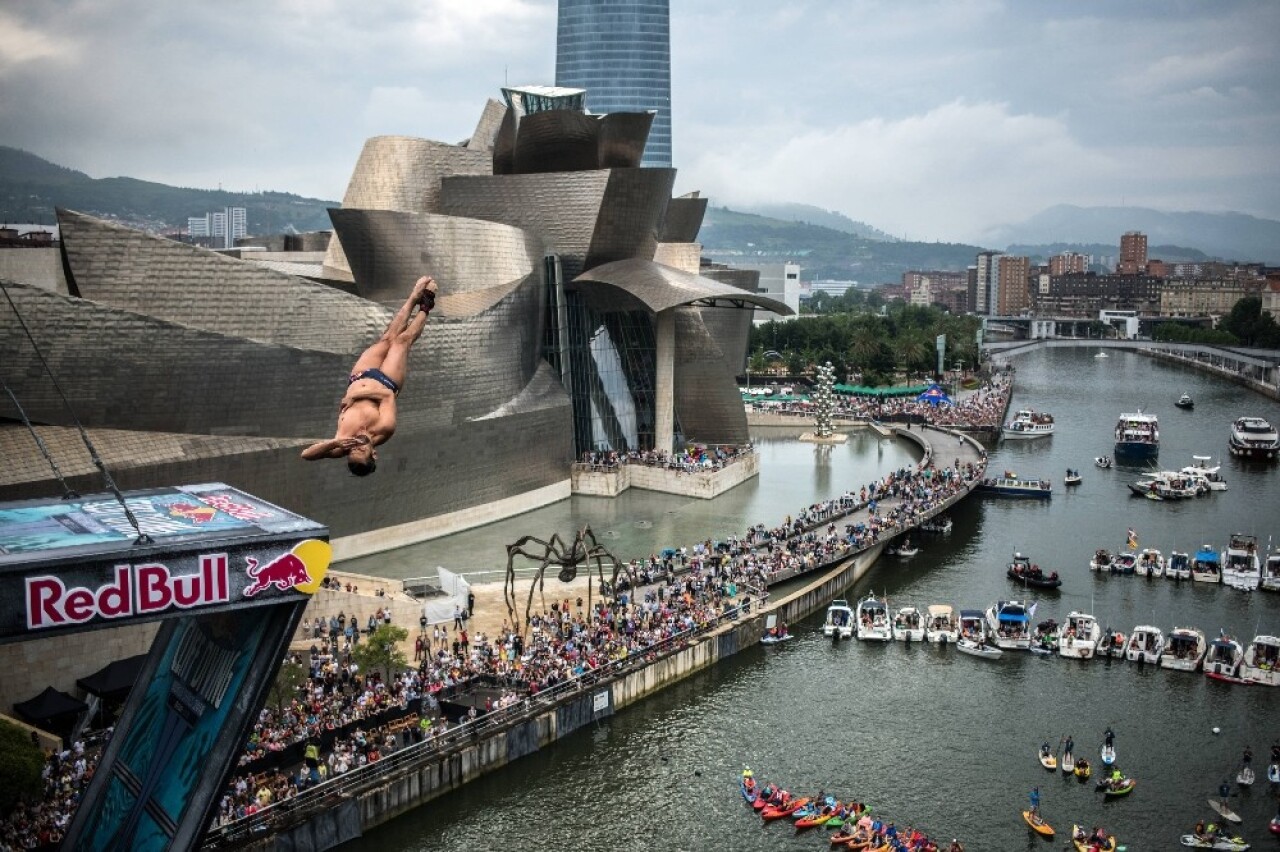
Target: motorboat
{"x": 1027, "y": 424}
{"x": 906, "y": 550}
{"x": 940, "y": 524}
{"x": 839, "y": 621}
{"x": 1137, "y": 435}
{"x": 1081, "y": 635}
{"x": 1112, "y": 644}
{"x": 1253, "y": 438}
{"x": 1103, "y": 462}
{"x": 1241, "y": 568}
{"x": 1183, "y": 650}
{"x": 973, "y": 625}
{"x": 940, "y": 624}
{"x": 1044, "y": 640}
{"x": 1011, "y": 485}
{"x": 1202, "y": 466}
{"x": 1008, "y": 624}
{"x": 1150, "y": 563}
{"x": 1101, "y": 561}
{"x": 1230, "y": 843}
{"x": 1206, "y": 567}
{"x": 1072, "y": 477}
{"x": 1101, "y": 354}
{"x": 1022, "y": 571}
{"x": 1271, "y": 571}
{"x": 873, "y": 620}
{"x": 1124, "y": 563}
{"x": 1145, "y": 644}
{"x": 908, "y": 625}
{"x": 1167, "y": 485}
{"x": 1223, "y": 657}
{"x": 979, "y": 648}
{"x": 1261, "y": 663}
{"x": 1178, "y": 567}
{"x": 1185, "y": 401}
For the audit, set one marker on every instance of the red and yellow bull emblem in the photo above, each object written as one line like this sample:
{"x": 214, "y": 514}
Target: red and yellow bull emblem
{"x": 302, "y": 568}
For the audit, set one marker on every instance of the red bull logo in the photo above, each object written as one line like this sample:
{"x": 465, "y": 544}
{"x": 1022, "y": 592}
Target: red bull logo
{"x": 195, "y": 514}
{"x": 301, "y": 568}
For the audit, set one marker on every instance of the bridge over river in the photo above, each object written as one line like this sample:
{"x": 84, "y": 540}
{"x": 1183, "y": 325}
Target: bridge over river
{"x": 346, "y": 806}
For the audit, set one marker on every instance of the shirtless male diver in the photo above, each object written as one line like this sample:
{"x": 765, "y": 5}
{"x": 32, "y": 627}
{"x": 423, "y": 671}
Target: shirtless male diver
{"x": 367, "y": 414}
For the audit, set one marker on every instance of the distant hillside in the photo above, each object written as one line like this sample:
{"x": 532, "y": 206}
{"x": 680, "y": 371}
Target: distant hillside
{"x": 1225, "y": 236}
{"x": 825, "y": 253}
{"x": 1169, "y": 254}
{"x": 807, "y": 213}
{"x": 30, "y": 189}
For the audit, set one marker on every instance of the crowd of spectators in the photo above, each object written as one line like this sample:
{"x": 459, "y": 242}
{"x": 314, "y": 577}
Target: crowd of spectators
{"x": 41, "y": 824}
{"x": 658, "y": 600}
{"x": 982, "y": 409}
{"x": 691, "y": 460}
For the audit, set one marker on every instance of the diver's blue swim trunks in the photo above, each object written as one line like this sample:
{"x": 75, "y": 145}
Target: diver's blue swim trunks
{"x": 378, "y": 376}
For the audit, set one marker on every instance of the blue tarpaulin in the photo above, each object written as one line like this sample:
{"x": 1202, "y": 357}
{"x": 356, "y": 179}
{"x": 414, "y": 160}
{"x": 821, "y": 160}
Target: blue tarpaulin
{"x": 935, "y": 395}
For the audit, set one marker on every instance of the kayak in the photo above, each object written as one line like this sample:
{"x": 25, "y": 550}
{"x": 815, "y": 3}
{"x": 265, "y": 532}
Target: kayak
{"x": 1221, "y": 809}
{"x": 1123, "y": 790}
{"x": 772, "y": 813}
{"x": 1108, "y": 755}
{"x": 1236, "y": 843}
{"x": 817, "y": 818}
{"x": 1079, "y": 838}
{"x": 1083, "y": 771}
{"x": 750, "y": 791}
{"x": 1038, "y": 825}
{"x": 1048, "y": 761}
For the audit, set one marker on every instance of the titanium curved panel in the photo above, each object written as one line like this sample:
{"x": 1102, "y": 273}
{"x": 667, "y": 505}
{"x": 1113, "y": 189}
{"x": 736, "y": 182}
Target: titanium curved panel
{"x": 128, "y": 270}
{"x": 634, "y": 204}
{"x": 504, "y": 144}
{"x": 403, "y": 173}
{"x": 683, "y": 220}
{"x": 708, "y": 404}
{"x": 622, "y": 139}
{"x": 388, "y": 250}
{"x": 623, "y": 284}
{"x": 487, "y": 127}
{"x": 558, "y": 140}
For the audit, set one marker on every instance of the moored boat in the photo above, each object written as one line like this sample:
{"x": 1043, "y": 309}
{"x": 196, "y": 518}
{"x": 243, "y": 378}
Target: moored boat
{"x": 873, "y": 620}
{"x": 1008, "y": 624}
{"x": 1253, "y": 438}
{"x": 1137, "y": 435}
{"x": 1271, "y": 571}
{"x": 1146, "y": 644}
{"x": 940, "y": 524}
{"x": 1206, "y": 566}
{"x": 1124, "y": 563}
{"x": 1223, "y": 658}
{"x": 1241, "y": 568}
{"x": 979, "y": 648}
{"x": 839, "y": 621}
{"x": 1202, "y": 466}
{"x": 1101, "y": 561}
{"x": 1011, "y": 485}
{"x": 1183, "y": 650}
{"x": 1044, "y": 641}
{"x": 973, "y": 625}
{"x": 1261, "y": 663}
{"x": 1150, "y": 563}
{"x": 1112, "y": 644}
{"x": 1080, "y": 637}
{"x": 940, "y": 624}
{"x": 1022, "y": 571}
{"x": 908, "y": 625}
{"x": 1178, "y": 567}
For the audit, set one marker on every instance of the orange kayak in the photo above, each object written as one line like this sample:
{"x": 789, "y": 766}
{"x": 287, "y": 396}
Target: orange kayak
{"x": 786, "y": 810}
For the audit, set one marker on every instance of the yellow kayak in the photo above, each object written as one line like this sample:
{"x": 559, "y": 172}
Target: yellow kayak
{"x": 1081, "y": 839}
{"x": 1038, "y": 825}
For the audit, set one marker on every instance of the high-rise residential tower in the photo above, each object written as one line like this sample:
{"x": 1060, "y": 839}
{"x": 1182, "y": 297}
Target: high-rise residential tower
{"x": 620, "y": 52}
{"x": 1133, "y": 253}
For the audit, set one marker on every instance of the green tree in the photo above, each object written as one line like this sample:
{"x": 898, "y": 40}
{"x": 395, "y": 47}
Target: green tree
{"x": 380, "y": 652}
{"x": 758, "y": 363}
{"x": 286, "y": 685}
{"x": 795, "y": 363}
{"x": 20, "y": 765}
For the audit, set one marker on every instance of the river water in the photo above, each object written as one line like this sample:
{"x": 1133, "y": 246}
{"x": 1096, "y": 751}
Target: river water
{"x": 929, "y": 737}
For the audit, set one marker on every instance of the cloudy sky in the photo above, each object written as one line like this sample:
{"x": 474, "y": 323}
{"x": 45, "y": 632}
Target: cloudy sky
{"x": 930, "y": 120}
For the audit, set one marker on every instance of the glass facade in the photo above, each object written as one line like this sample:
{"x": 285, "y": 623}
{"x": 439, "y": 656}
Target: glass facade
{"x": 607, "y": 364}
{"x": 620, "y": 52}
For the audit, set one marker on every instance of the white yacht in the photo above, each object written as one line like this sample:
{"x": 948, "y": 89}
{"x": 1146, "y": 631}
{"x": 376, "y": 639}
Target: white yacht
{"x": 1009, "y": 625}
{"x": 1179, "y": 566}
{"x": 1203, "y": 466}
{"x": 1081, "y": 635}
{"x": 1027, "y": 424}
{"x": 1138, "y": 435}
{"x": 1253, "y": 438}
{"x": 1183, "y": 650}
{"x": 1206, "y": 567}
{"x": 1150, "y": 563}
{"x": 1241, "y": 568}
{"x": 839, "y": 619}
{"x": 940, "y": 625}
{"x": 1271, "y": 571}
{"x": 1262, "y": 661}
{"x": 1146, "y": 643}
{"x": 873, "y": 620}
{"x": 908, "y": 625}
{"x": 1224, "y": 656}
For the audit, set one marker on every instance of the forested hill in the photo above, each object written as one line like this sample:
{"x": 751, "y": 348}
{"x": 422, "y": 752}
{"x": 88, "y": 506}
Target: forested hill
{"x": 31, "y": 187}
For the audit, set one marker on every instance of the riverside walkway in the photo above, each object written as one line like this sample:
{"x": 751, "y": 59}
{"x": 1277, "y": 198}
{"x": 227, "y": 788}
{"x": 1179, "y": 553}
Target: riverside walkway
{"x": 351, "y": 803}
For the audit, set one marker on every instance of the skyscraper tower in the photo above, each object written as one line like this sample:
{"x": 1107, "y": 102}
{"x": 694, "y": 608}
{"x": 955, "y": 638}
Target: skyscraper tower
{"x": 620, "y": 52}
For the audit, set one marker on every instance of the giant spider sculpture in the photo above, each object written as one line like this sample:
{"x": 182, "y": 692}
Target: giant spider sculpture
{"x": 585, "y": 548}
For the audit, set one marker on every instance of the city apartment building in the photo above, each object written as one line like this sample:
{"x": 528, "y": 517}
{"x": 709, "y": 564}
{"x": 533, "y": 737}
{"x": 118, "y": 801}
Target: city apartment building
{"x": 1085, "y": 295}
{"x": 1133, "y": 253}
{"x": 219, "y": 229}
{"x": 984, "y": 283}
{"x": 1014, "y": 290}
{"x": 1199, "y": 297}
{"x": 937, "y": 287}
{"x": 1069, "y": 263}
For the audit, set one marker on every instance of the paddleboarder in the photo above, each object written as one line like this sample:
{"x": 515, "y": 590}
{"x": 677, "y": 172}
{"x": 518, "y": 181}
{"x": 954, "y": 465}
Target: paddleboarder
{"x": 1068, "y": 750}
{"x": 1035, "y": 803}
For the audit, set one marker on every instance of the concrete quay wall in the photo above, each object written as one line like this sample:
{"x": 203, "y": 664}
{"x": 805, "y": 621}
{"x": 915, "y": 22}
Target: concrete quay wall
{"x": 704, "y": 485}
